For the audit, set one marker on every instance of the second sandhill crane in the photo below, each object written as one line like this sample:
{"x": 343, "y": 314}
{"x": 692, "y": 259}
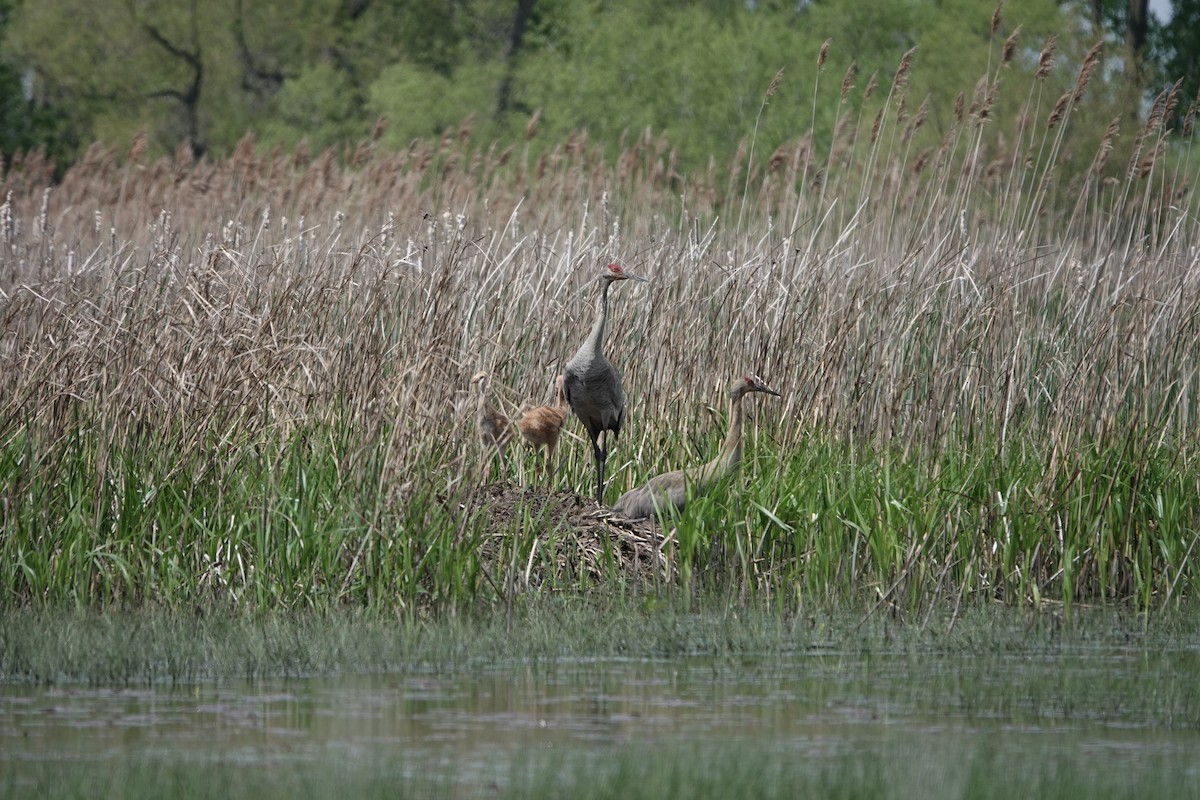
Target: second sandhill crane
{"x": 592, "y": 385}
{"x": 495, "y": 431}
{"x": 542, "y": 426}
{"x": 670, "y": 490}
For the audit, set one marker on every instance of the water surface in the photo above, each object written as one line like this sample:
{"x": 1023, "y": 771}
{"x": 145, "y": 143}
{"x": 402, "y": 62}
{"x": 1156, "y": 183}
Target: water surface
{"x": 1080, "y": 719}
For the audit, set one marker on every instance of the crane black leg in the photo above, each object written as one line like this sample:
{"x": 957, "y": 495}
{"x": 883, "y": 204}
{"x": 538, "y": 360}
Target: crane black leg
{"x": 601, "y": 456}
{"x": 600, "y": 481}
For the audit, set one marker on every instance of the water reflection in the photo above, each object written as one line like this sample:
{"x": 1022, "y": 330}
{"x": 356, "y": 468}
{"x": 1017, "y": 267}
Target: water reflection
{"x": 821, "y": 707}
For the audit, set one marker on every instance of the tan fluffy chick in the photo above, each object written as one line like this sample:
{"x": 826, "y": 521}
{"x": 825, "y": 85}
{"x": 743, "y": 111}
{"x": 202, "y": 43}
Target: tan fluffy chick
{"x": 495, "y": 431}
{"x": 542, "y": 425}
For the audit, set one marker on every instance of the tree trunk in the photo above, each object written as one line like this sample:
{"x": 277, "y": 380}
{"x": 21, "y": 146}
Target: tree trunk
{"x": 520, "y": 23}
{"x": 1137, "y": 21}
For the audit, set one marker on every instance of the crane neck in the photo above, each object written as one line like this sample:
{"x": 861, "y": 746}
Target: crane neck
{"x": 731, "y": 451}
{"x": 595, "y": 340}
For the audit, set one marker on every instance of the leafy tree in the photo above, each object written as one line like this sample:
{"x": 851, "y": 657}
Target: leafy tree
{"x": 1178, "y": 49}
{"x": 1130, "y": 20}
{"x": 121, "y": 66}
{"x": 1160, "y": 52}
{"x": 323, "y": 70}
{"x": 419, "y": 103}
{"x": 25, "y": 123}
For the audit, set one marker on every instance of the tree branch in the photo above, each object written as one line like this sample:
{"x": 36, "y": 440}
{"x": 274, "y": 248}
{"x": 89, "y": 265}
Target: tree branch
{"x": 255, "y": 78}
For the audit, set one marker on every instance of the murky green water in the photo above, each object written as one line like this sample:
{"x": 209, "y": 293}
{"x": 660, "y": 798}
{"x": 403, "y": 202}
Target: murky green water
{"x": 900, "y": 725}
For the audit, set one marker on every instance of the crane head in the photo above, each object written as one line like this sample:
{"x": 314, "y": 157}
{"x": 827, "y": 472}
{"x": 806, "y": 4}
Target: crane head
{"x": 479, "y": 377}
{"x": 751, "y": 383}
{"x": 615, "y": 272}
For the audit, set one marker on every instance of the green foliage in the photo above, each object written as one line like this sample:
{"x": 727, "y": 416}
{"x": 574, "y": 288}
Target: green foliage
{"x": 834, "y": 522}
{"x": 696, "y": 72}
{"x": 704, "y": 98}
{"x": 1178, "y": 51}
{"x": 274, "y": 524}
{"x": 25, "y": 125}
{"x": 422, "y": 104}
{"x": 318, "y": 106}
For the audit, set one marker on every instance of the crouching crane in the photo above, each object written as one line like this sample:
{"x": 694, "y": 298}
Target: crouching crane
{"x": 670, "y": 490}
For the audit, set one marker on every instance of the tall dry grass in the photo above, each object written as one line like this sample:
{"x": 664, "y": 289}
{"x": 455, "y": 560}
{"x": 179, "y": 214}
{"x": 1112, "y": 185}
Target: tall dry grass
{"x": 925, "y": 300}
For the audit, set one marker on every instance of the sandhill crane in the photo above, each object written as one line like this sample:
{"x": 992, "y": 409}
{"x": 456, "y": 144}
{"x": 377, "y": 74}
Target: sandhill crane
{"x": 495, "y": 431}
{"x": 671, "y": 489}
{"x": 592, "y": 385}
{"x": 542, "y": 425}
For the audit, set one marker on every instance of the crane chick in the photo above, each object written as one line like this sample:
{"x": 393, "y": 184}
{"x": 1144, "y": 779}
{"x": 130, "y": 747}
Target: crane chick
{"x": 592, "y": 385}
{"x": 495, "y": 430}
{"x": 670, "y": 490}
{"x": 542, "y": 426}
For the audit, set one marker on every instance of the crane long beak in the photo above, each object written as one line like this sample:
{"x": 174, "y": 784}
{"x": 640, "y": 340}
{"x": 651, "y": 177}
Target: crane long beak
{"x": 637, "y": 277}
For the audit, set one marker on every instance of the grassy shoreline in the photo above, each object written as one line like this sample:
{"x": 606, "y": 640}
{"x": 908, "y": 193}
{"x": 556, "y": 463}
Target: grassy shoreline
{"x": 287, "y": 526}
{"x": 158, "y": 646}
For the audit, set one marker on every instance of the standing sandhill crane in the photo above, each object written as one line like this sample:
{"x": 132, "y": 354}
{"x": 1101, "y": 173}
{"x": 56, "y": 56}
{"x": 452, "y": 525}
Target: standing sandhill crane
{"x": 592, "y": 385}
{"x": 671, "y": 488}
{"x": 495, "y": 431}
{"x": 542, "y": 425}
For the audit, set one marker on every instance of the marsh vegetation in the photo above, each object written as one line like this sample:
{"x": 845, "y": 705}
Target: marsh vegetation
{"x": 246, "y": 381}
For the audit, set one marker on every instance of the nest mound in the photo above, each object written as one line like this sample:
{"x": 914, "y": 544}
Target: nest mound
{"x": 563, "y": 536}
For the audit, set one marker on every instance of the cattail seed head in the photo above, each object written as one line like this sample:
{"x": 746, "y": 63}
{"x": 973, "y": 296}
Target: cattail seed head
{"x": 464, "y": 129}
{"x": 989, "y": 100}
{"x": 1086, "y": 69}
{"x": 780, "y": 158}
{"x": 1060, "y": 108}
{"x": 1157, "y": 109}
{"x": 871, "y": 82}
{"x": 922, "y": 113}
{"x": 902, "y": 69}
{"x": 977, "y": 97}
{"x": 996, "y": 17}
{"x": 921, "y": 161}
{"x": 1106, "y": 144}
{"x": 774, "y": 84}
{"x": 531, "y": 129}
{"x": 1155, "y": 153}
{"x": 1010, "y": 46}
{"x": 1046, "y": 59}
{"x": 138, "y": 147}
{"x": 1173, "y": 98}
{"x": 848, "y": 78}
{"x": 822, "y": 53}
